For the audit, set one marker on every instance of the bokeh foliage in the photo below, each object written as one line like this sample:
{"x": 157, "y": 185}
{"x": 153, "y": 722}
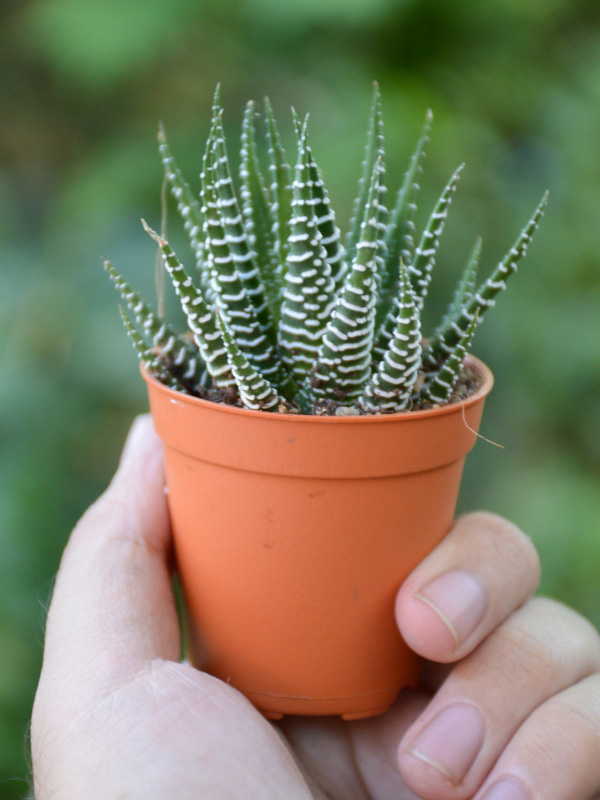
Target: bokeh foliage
{"x": 515, "y": 88}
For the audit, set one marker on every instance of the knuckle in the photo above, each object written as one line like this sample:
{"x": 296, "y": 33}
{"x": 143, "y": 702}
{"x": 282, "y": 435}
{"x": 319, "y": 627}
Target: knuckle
{"x": 545, "y": 634}
{"x": 582, "y": 704}
{"x": 525, "y": 652}
{"x": 569, "y": 626}
{"x": 509, "y": 542}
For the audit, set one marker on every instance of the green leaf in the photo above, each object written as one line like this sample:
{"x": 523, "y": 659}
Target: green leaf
{"x": 463, "y": 294}
{"x": 234, "y": 238}
{"x": 344, "y": 363}
{"x": 374, "y": 150}
{"x": 256, "y": 393}
{"x": 258, "y": 218}
{"x": 485, "y": 297}
{"x": 199, "y": 316}
{"x": 331, "y": 238}
{"x": 308, "y": 296}
{"x": 439, "y": 389}
{"x": 280, "y": 190}
{"x": 188, "y": 207}
{"x": 399, "y": 236}
{"x": 181, "y": 357}
{"x": 422, "y": 267}
{"x": 391, "y": 387}
{"x": 153, "y": 364}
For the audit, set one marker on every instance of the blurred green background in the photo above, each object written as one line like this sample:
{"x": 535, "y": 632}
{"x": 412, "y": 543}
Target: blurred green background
{"x": 515, "y": 88}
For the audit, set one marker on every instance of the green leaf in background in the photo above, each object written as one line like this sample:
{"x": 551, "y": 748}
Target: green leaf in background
{"x": 98, "y": 44}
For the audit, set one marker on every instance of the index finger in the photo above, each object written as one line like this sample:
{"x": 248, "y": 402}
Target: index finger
{"x": 481, "y": 572}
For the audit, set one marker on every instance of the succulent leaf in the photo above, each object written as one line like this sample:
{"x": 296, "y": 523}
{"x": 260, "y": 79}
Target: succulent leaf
{"x": 235, "y": 238}
{"x": 440, "y": 387}
{"x": 374, "y": 150}
{"x": 399, "y": 236}
{"x": 440, "y": 348}
{"x": 308, "y": 296}
{"x": 256, "y": 393}
{"x": 209, "y": 202}
{"x": 464, "y": 291}
{"x": 258, "y": 218}
{"x": 391, "y": 387}
{"x": 280, "y": 187}
{"x": 421, "y": 268}
{"x": 344, "y": 362}
{"x": 153, "y": 364}
{"x": 199, "y": 316}
{"x": 331, "y": 238}
{"x": 231, "y": 296}
{"x": 183, "y": 358}
{"x": 188, "y": 207}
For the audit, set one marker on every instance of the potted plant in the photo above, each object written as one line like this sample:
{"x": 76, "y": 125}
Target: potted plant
{"x": 314, "y": 441}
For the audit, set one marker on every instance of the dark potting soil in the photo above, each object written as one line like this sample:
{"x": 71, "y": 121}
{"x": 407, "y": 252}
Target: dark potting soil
{"x": 468, "y": 383}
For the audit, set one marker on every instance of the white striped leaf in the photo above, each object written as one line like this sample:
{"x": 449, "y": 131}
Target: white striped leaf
{"x": 374, "y": 149}
{"x": 308, "y": 295}
{"x": 392, "y": 385}
{"x": 422, "y": 266}
{"x": 439, "y": 388}
{"x": 256, "y": 393}
{"x": 485, "y": 297}
{"x": 280, "y": 188}
{"x": 154, "y": 365}
{"x": 344, "y": 363}
{"x": 258, "y": 218}
{"x": 182, "y": 357}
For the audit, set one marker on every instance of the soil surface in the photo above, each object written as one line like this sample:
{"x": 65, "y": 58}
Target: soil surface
{"x": 468, "y": 383}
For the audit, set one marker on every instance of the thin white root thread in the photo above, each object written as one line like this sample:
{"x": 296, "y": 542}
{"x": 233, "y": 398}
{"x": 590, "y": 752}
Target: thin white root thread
{"x": 479, "y": 436}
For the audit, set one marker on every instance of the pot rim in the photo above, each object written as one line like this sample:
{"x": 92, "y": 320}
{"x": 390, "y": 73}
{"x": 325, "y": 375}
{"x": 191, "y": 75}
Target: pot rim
{"x": 484, "y": 372}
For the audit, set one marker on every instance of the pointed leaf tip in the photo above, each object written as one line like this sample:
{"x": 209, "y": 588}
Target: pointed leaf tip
{"x": 157, "y": 238}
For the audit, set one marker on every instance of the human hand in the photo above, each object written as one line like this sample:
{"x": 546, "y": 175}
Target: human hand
{"x": 116, "y": 717}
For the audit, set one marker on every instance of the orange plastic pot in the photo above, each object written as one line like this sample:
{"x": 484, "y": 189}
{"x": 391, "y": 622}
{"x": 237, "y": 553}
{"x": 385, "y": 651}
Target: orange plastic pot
{"x": 293, "y": 535}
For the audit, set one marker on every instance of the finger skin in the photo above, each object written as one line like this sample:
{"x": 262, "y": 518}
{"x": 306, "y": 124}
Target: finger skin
{"x": 485, "y": 551}
{"x": 112, "y": 606}
{"x": 542, "y": 650}
{"x": 556, "y": 752}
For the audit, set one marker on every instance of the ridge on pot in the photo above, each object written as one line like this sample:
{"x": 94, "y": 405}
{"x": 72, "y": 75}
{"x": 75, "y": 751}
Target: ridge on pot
{"x": 293, "y": 535}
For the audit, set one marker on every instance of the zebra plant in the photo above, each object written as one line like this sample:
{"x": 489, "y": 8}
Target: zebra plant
{"x": 283, "y": 316}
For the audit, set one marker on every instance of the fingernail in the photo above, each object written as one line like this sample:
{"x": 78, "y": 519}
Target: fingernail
{"x": 451, "y": 741}
{"x": 508, "y": 789}
{"x": 459, "y": 599}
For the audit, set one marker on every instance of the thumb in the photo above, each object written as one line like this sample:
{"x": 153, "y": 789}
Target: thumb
{"x": 112, "y": 602}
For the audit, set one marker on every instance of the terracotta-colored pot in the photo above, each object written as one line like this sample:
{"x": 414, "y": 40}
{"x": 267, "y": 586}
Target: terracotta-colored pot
{"x": 293, "y": 535}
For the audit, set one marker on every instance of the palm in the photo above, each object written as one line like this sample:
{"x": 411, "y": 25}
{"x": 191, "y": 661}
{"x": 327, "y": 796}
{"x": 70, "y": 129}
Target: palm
{"x": 186, "y": 723}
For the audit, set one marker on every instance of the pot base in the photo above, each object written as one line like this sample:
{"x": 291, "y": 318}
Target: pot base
{"x": 274, "y": 707}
